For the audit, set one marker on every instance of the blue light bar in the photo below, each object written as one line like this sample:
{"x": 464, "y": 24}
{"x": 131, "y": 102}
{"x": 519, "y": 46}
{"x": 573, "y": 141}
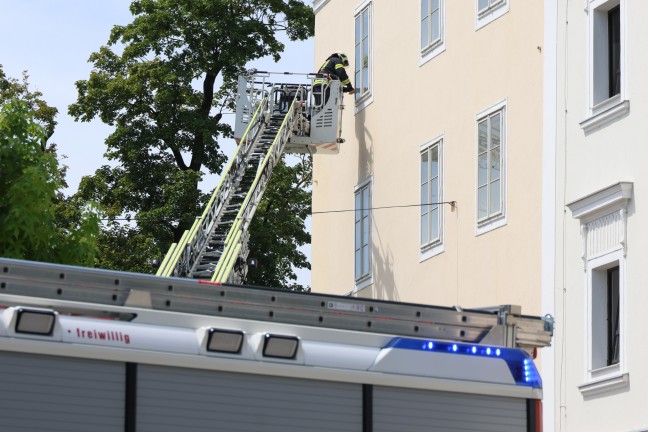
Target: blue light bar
{"x": 519, "y": 362}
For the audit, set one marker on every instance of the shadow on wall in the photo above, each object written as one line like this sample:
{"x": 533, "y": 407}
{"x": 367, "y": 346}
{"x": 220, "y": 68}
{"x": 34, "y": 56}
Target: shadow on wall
{"x": 384, "y": 287}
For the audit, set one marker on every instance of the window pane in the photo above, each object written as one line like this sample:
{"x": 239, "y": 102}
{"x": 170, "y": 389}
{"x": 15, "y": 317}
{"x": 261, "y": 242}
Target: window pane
{"x": 358, "y": 62}
{"x": 495, "y": 194}
{"x": 434, "y": 228}
{"x": 365, "y": 22}
{"x": 365, "y": 231}
{"x": 425, "y": 231}
{"x": 435, "y": 190}
{"x": 496, "y": 129}
{"x": 495, "y": 164}
{"x": 435, "y": 26}
{"x": 358, "y": 238}
{"x": 425, "y": 198}
{"x": 614, "y": 50}
{"x": 358, "y": 30}
{"x": 425, "y": 8}
{"x": 613, "y": 316}
{"x": 435, "y": 161}
{"x": 483, "y": 136}
{"x": 482, "y": 202}
{"x": 365, "y": 260}
{"x": 365, "y": 80}
{"x": 424, "y": 166}
{"x": 482, "y": 169}
{"x": 358, "y": 269}
{"x": 425, "y": 32}
{"x": 365, "y": 52}
{"x": 435, "y": 5}
{"x": 358, "y": 206}
{"x": 483, "y": 4}
{"x": 365, "y": 202}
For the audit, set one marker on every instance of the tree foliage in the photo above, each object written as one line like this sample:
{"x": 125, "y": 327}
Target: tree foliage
{"x": 157, "y": 81}
{"x": 11, "y": 88}
{"x": 30, "y": 180}
{"x": 278, "y": 227}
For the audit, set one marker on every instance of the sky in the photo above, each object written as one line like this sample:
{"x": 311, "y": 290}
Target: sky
{"x": 53, "y": 39}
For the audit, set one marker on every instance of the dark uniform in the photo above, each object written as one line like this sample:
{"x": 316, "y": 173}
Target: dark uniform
{"x": 333, "y": 68}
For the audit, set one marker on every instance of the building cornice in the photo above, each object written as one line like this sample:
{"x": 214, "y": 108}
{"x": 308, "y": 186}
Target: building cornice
{"x": 612, "y": 196}
{"x": 319, "y": 4}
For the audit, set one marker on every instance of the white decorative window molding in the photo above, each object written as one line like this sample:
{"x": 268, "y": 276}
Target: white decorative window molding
{"x": 491, "y": 168}
{"x": 608, "y": 99}
{"x": 362, "y": 229}
{"x": 487, "y": 11}
{"x": 363, "y": 70}
{"x": 603, "y": 221}
{"x": 432, "y": 29}
{"x": 431, "y": 183}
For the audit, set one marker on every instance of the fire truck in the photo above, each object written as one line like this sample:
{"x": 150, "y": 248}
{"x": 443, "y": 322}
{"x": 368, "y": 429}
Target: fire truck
{"x": 94, "y": 350}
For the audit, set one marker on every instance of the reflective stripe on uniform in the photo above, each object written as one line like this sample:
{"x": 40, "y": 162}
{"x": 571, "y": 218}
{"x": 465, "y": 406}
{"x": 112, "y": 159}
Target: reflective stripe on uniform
{"x": 339, "y": 66}
{"x": 346, "y": 81}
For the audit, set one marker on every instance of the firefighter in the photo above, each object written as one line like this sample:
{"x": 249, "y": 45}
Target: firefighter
{"x": 333, "y": 68}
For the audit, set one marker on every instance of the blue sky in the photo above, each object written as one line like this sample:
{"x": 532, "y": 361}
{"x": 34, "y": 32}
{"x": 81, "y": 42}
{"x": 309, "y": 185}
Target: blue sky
{"x": 52, "y": 40}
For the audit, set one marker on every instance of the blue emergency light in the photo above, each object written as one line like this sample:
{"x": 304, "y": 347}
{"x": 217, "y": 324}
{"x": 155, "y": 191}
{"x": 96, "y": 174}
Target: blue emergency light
{"x": 519, "y": 362}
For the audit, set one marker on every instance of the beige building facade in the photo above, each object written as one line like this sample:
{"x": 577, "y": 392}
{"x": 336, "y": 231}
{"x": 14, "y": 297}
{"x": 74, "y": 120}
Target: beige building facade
{"x": 435, "y": 197}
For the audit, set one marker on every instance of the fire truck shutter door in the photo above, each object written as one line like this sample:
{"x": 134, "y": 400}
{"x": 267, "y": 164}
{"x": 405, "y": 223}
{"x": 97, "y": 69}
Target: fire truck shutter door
{"x": 43, "y": 393}
{"x": 172, "y": 399}
{"x": 411, "y": 410}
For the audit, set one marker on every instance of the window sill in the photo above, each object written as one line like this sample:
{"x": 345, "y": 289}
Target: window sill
{"x": 490, "y": 224}
{"x": 489, "y": 15}
{"x": 605, "y": 113}
{"x": 363, "y": 102}
{"x": 362, "y": 284}
{"x": 618, "y": 381}
{"x": 431, "y": 52}
{"x": 431, "y": 251}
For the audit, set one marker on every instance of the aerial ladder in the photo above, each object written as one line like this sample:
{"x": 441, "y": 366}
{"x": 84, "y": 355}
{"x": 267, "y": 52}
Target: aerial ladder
{"x": 272, "y": 119}
{"x": 128, "y": 296}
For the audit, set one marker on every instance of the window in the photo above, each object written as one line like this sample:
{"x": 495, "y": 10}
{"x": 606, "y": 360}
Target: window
{"x": 431, "y": 196}
{"x": 363, "y": 234}
{"x": 603, "y": 220}
{"x": 432, "y": 29}
{"x": 490, "y": 10}
{"x": 490, "y": 168}
{"x": 363, "y": 53}
{"x": 605, "y": 315}
{"x": 607, "y": 63}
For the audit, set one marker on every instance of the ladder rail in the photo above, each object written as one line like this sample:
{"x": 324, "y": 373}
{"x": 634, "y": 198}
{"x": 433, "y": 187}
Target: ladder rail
{"x": 225, "y": 268}
{"x": 181, "y": 259}
{"x": 24, "y": 283}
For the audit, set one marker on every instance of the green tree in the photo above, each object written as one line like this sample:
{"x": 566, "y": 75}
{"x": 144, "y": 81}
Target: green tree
{"x": 157, "y": 81}
{"x": 29, "y": 182}
{"x": 278, "y": 227}
{"x": 44, "y": 114}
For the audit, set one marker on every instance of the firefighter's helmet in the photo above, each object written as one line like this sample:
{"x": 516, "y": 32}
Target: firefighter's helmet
{"x": 344, "y": 59}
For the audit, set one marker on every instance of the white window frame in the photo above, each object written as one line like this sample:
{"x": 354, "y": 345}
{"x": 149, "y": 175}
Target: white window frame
{"x": 602, "y": 110}
{"x": 362, "y": 100}
{"x": 434, "y": 246}
{"x": 366, "y": 278}
{"x": 494, "y": 10}
{"x": 436, "y": 46}
{"x": 499, "y": 219}
{"x": 603, "y": 221}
